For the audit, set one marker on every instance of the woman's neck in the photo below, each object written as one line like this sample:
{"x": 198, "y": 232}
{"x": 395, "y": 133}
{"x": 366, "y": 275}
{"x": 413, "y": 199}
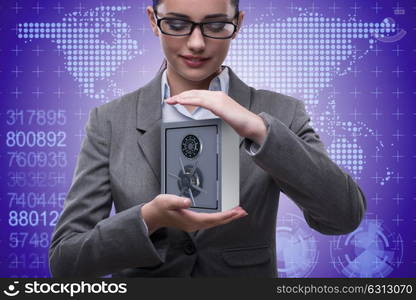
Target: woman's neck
{"x": 178, "y": 84}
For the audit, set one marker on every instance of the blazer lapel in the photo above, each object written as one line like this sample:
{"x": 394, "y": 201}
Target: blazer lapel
{"x": 240, "y": 92}
{"x": 149, "y": 116}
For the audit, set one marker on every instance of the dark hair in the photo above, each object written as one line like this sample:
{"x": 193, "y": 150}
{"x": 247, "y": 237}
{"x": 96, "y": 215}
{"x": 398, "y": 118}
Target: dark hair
{"x": 157, "y": 2}
{"x": 233, "y": 2}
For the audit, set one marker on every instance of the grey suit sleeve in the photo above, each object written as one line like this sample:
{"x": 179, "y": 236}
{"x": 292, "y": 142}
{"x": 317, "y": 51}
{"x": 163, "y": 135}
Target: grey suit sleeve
{"x": 296, "y": 158}
{"x": 86, "y": 241}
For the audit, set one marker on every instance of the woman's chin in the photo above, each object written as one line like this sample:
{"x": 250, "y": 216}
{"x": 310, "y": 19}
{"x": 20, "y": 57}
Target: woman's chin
{"x": 197, "y": 75}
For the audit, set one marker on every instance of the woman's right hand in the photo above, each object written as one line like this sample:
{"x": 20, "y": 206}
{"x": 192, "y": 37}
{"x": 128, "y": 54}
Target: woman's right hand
{"x": 167, "y": 210}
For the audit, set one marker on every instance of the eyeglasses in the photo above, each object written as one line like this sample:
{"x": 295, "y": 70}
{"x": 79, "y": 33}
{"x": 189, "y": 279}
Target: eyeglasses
{"x": 180, "y": 27}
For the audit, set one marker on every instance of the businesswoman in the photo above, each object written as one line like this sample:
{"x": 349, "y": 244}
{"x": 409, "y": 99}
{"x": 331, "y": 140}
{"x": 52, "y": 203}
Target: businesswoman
{"x": 153, "y": 234}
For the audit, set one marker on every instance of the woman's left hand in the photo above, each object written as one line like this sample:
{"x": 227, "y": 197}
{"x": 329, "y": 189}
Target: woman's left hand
{"x": 244, "y": 122}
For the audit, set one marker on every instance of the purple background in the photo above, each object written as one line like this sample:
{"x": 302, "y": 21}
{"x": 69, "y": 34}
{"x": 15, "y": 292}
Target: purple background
{"x": 376, "y": 94}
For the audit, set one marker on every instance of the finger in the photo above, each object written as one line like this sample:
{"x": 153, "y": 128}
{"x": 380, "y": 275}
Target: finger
{"x": 220, "y": 215}
{"x": 239, "y": 215}
{"x": 176, "y": 202}
{"x": 186, "y": 101}
{"x": 212, "y": 217}
{"x": 229, "y": 220}
{"x": 217, "y": 218}
{"x": 211, "y": 103}
{"x": 196, "y": 98}
{"x": 205, "y": 218}
{"x": 238, "y": 212}
{"x": 239, "y": 209}
{"x": 226, "y": 220}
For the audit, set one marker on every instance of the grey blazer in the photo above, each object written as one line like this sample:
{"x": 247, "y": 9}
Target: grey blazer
{"x": 119, "y": 163}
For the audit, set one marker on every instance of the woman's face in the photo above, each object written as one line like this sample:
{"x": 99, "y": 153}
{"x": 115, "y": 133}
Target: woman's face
{"x": 176, "y": 47}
